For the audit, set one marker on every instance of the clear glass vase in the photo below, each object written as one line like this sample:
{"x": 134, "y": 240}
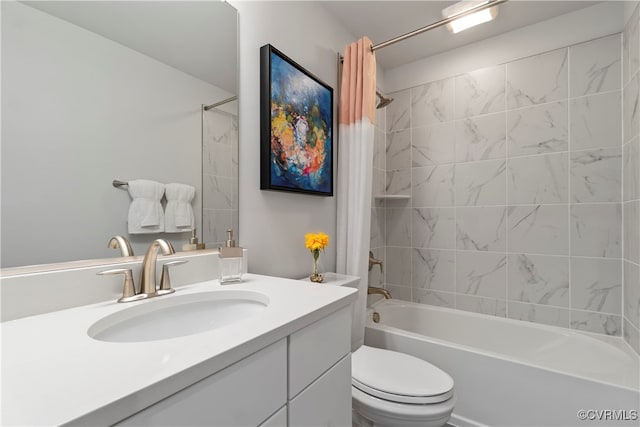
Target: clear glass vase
{"x": 316, "y": 275}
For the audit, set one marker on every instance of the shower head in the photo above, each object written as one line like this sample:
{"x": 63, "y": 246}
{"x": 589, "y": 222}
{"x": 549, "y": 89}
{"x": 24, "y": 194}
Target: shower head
{"x": 383, "y": 101}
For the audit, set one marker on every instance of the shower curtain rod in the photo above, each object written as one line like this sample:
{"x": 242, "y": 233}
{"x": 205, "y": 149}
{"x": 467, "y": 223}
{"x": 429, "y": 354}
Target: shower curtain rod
{"x": 445, "y": 21}
{"x": 217, "y": 104}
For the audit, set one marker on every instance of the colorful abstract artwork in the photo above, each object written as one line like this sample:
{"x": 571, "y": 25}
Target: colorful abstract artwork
{"x": 296, "y": 127}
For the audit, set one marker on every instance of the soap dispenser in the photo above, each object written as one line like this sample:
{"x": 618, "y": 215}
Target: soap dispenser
{"x": 230, "y": 260}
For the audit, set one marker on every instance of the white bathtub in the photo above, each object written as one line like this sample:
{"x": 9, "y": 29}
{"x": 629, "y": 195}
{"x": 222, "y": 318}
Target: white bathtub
{"x": 513, "y": 373}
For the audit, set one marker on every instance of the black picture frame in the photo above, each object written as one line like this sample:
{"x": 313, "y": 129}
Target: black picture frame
{"x": 296, "y": 127}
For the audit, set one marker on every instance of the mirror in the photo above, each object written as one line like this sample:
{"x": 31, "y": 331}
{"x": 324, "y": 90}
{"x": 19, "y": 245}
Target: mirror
{"x": 113, "y": 90}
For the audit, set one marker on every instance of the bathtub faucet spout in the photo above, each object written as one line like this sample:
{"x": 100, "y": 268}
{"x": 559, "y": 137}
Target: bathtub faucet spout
{"x": 383, "y": 292}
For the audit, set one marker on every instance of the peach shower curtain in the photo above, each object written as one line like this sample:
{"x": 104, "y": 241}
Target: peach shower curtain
{"x": 355, "y": 170}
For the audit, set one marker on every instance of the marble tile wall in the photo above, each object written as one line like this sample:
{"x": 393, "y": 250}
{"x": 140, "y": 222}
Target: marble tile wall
{"x": 631, "y": 182}
{"x": 219, "y": 176}
{"x": 515, "y": 178}
{"x": 378, "y": 213}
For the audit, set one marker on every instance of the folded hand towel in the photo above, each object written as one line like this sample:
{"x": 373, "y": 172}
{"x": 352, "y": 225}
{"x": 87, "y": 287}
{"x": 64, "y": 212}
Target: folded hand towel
{"x": 178, "y": 212}
{"x": 145, "y": 211}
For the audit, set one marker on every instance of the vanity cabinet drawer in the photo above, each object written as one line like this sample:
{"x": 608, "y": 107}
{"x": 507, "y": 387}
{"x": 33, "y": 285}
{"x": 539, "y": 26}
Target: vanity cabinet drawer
{"x": 244, "y": 394}
{"x": 327, "y": 401}
{"x": 317, "y": 347}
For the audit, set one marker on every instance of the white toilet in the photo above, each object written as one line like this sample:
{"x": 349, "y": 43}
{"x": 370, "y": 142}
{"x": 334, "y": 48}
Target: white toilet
{"x": 392, "y": 389}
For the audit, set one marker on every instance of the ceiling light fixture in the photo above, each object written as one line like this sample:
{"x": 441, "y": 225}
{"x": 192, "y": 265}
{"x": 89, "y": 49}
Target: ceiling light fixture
{"x": 470, "y": 20}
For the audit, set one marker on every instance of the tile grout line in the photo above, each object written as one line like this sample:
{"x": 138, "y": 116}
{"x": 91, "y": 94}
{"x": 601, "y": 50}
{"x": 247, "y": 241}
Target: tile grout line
{"x": 525, "y": 156}
{"x": 384, "y": 202}
{"x": 411, "y": 283}
{"x": 506, "y": 194}
{"x": 536, "y": 254}
{"x": 637, "y": 219}
{"x": 622, "y": 180}
{"x": 569, "y": 188}
{"x": 516, "y": 205}
{"x": 383, "y": 209}
{"x": 455, "y": 208}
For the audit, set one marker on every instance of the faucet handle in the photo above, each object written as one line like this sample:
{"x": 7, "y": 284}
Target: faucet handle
{"x": 129, "y": 289}
{"x": 165, "y": 280}
{"x": 120, "y": 242}
{"x": 373, "y": 261}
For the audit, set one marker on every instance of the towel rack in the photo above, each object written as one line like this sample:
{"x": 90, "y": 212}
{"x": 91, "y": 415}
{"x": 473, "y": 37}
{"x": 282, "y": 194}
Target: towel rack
{"x": 118, "y": 184}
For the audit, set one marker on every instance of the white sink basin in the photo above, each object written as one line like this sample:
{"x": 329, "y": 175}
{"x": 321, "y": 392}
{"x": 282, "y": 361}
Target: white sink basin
{"x": 178, "y": 315}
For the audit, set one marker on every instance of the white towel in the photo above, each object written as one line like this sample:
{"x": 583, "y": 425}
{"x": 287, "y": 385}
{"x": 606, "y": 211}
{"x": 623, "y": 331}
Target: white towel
{"x": 178, "y": 212}
{"x": 145, "y": 212}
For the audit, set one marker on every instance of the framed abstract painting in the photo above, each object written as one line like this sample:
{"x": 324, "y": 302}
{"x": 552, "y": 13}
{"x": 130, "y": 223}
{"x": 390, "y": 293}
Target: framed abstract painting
{"x": 296, "y": 127}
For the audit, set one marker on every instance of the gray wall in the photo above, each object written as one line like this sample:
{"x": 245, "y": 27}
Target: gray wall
{"x": 631, "y": 180}
{"x": 273, "y": 224}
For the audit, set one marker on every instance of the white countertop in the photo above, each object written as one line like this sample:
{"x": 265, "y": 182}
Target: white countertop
{"x": 54, "y": 373}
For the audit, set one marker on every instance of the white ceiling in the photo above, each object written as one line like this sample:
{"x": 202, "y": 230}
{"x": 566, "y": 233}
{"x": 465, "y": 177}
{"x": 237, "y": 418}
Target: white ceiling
{"x": 384, "y": 20}
{"x": 196, "y": 37}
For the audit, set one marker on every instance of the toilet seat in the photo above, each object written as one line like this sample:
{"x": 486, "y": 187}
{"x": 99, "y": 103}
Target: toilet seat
{"x": 383, "y": 413}
{"x": 398, "y": 377}
{"x": 400, "y": 398}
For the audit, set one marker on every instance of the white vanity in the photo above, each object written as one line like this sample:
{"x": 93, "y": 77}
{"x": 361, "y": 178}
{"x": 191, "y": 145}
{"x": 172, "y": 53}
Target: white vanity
{"x": 285, "y": 364}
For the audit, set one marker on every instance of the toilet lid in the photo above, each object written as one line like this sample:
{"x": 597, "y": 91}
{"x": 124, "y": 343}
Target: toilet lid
{"x": 399, "y": 377}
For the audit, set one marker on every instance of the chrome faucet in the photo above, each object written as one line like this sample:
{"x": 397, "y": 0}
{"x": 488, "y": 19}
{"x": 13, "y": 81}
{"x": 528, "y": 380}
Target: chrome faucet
{"x": 122, "y": 243}
{"x": 148, "y": 275}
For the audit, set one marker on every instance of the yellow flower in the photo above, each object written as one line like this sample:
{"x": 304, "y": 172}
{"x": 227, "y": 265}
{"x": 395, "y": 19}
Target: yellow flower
{"x": 316, "y": 241}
